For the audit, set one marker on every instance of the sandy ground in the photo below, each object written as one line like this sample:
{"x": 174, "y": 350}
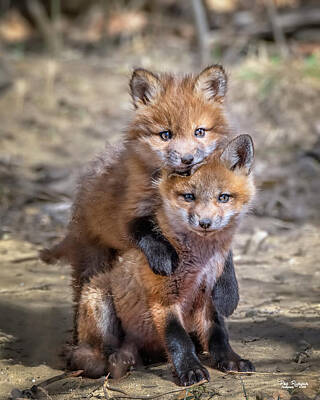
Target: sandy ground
{"x": 57, "y": 115}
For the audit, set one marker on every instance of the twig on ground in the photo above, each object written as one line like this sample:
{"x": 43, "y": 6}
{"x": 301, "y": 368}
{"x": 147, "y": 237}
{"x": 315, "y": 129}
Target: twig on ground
{"x": 244, "y": 389}
{"x": 273, "y": 373}
{"x": 32, "y": 391}
{"x": 24, "y": 259}
{"x": 107, "y": 387}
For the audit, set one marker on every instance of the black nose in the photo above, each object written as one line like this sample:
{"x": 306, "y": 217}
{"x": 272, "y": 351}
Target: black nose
{"x": 187, "y": 159}
{"x": 205, "y": 223}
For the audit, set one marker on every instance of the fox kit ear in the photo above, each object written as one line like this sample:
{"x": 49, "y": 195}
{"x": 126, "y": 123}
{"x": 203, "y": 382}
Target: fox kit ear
{"x": 144, "y": 86}
{"x": 239, "y": 153}
{"x": 212, "y": 83}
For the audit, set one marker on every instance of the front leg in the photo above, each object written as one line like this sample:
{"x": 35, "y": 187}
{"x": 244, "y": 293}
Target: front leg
{"x": 225, "y": 293}
{"x": 162, "y": 257}
{"x": 224, "y": 357}
{"x": 182, "y": 353}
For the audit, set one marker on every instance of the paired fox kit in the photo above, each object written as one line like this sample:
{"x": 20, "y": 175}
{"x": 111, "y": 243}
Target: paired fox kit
{"x": 178, "y": 123}
{"x": 130, "y": 310}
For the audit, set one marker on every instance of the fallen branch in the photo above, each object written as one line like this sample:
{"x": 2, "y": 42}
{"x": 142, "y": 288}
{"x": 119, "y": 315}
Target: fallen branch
{"x": 245, "y": 28}
{"x": 287, "y": 22}
{"x": 24, "y": 259}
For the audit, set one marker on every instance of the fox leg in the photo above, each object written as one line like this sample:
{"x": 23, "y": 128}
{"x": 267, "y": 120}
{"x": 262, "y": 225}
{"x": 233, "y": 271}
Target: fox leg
{"x": 161, "y": 255}
{"x": 213, "y": 336}
{"x": 225, "y": 292}
{"x": 179, "y": 347}
{"x": 123, "y": 359}
{"x": 101, "y": 346}
{"x": 224, "y": 357}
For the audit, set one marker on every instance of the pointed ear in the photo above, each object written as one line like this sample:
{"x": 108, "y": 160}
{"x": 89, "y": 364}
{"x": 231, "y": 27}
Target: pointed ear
{"x": 144, "y": 86}
{"x": 212, "y": 83}
{"x": 239, "y": 153}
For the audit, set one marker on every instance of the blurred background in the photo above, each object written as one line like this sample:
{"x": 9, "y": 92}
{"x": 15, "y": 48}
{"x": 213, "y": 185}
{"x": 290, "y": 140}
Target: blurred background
{"x": 64, "y": 72}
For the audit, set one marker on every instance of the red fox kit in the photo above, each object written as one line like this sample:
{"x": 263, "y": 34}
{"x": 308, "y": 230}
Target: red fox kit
{"x": 130, "y": 309}
{"x": 178, "y": 123}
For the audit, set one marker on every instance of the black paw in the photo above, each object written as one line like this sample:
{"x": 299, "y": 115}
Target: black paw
{"x": 192, "y": 373}
{"x": 162, "y": 258}
{"x": 240, "y": 365}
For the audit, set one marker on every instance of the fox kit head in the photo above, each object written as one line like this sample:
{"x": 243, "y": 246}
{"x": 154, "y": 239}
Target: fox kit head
{"x": 178, "y": 121}
{"x": 215, "y": 195}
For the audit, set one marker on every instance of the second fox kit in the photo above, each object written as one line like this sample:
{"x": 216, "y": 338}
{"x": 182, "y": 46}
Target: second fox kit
{"x": 130, "y": 309}
{"x": 178, "y": 123}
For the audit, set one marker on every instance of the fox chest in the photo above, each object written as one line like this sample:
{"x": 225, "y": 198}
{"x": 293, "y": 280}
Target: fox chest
{"x": 193, "y": 280}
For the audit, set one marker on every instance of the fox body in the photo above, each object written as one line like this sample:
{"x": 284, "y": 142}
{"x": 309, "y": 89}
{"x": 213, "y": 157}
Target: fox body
{"x": 178, "y": 123}
{"x": 130, "y": 310}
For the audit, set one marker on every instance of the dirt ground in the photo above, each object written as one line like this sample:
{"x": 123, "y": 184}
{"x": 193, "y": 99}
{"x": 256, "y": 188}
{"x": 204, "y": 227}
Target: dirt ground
{"x": 57, "y": 115}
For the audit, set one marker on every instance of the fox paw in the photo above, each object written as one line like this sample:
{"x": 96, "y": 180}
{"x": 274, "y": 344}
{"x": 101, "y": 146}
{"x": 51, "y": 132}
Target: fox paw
{"x": 119, "y": 363}
{"x": 240, "y": 365}
{"x": 192, "y": 373}
{"x": 163, "y": 260}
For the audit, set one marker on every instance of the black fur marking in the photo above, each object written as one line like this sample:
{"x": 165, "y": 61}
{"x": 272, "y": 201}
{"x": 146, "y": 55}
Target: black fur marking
{"x": 183, "y": 354}
{"x": 224, "y": 358}
{"x": 225, "y": 293}
{"x": 162, "y": 257}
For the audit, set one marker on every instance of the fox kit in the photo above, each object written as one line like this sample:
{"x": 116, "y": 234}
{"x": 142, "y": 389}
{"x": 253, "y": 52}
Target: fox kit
{"x": 130, "y": 310}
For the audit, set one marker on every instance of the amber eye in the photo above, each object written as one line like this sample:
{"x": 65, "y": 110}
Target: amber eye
{"x": 200, "y": 132}
{"x": 224, "y": 198}
{"x": 189, "y": 197}
{"x": 165, "y": 135}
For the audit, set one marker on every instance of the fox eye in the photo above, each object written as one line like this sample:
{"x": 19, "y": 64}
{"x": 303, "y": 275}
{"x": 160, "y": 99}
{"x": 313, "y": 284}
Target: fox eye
{"x": 165, "y": 135}
{"x": 224, "y": 198}
{"x": 200, "y": 132}
{"x": 189, "y": 197}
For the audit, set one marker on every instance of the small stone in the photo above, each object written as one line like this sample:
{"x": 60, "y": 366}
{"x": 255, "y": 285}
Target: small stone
{"x": 302, "y": 356}
{"x": 250, "y": 339}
